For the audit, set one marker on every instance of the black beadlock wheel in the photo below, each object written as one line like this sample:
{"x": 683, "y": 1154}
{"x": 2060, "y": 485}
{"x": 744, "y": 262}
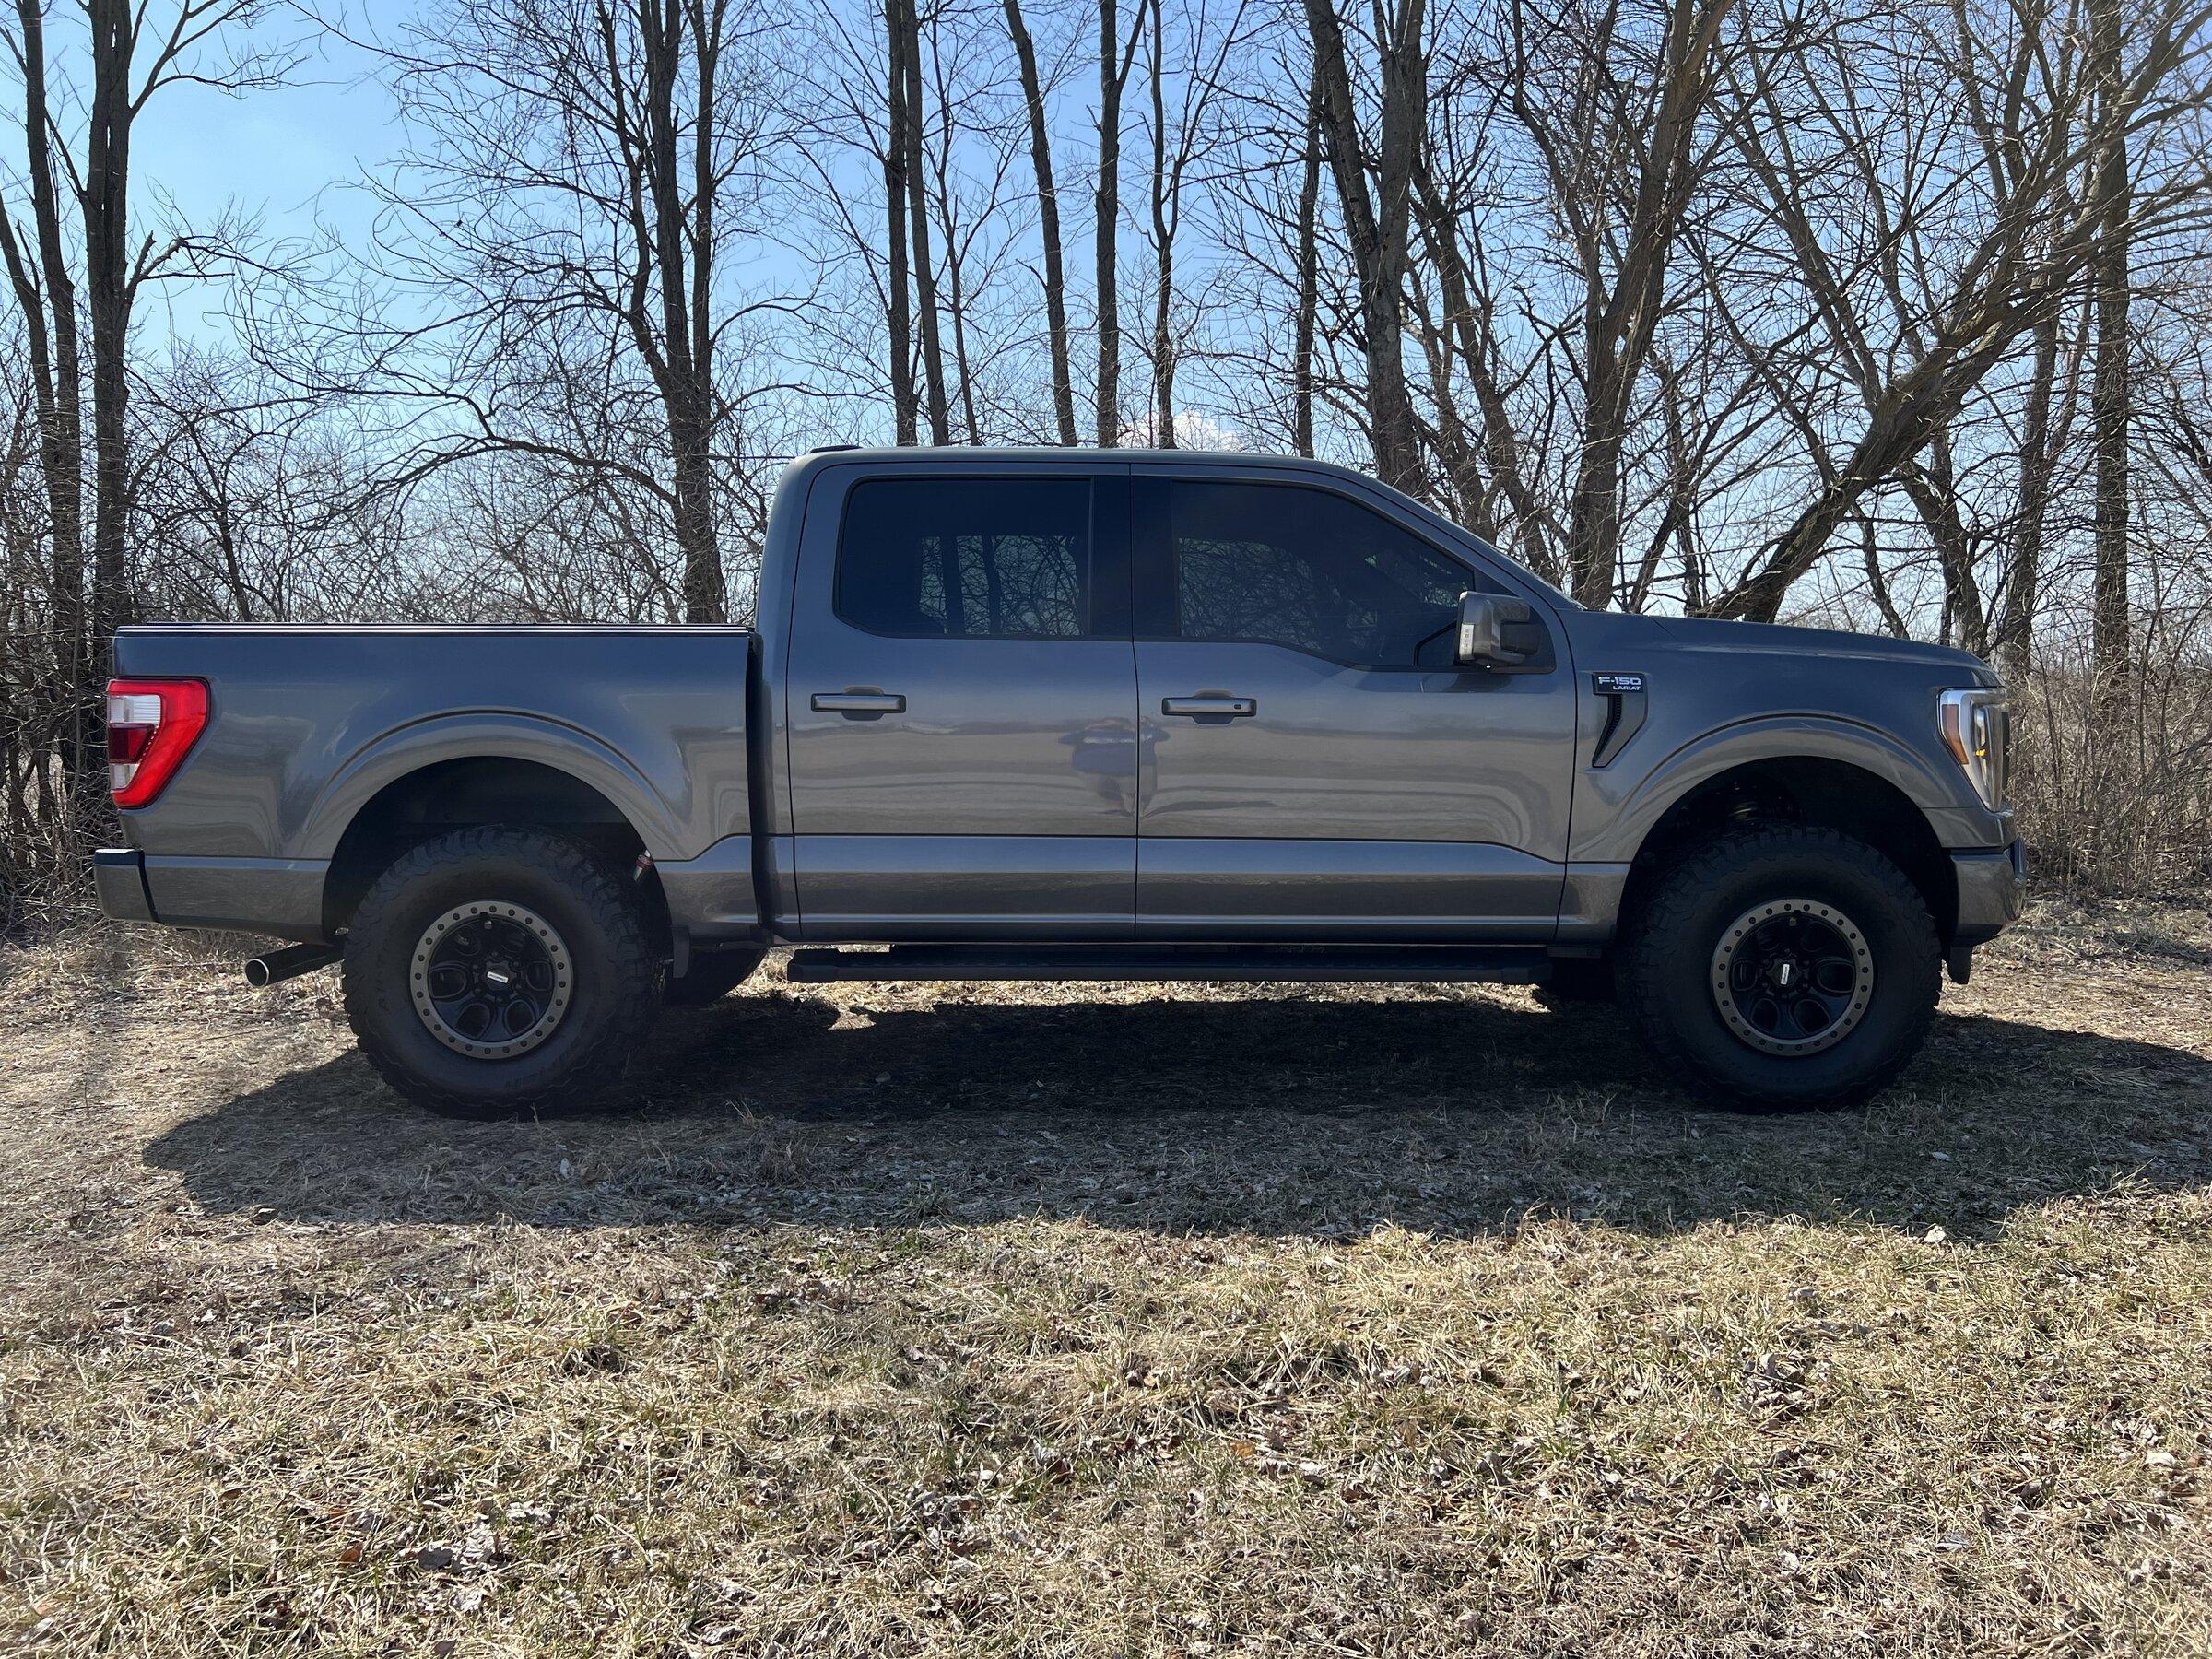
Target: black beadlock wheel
{"x": 1783, "y": 967}
{"x": 496, "y": 972}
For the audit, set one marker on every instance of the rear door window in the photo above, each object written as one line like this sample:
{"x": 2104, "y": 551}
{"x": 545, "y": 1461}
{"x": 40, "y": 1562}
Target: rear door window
{"x": 975, "y": 558}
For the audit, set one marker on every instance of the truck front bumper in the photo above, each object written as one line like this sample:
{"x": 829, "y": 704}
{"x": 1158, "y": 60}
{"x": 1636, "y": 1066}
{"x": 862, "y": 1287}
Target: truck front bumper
{"x": 1991, "y": 886}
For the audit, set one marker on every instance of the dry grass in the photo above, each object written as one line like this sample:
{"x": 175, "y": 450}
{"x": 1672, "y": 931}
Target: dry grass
{"x": 1113, "y": 1320}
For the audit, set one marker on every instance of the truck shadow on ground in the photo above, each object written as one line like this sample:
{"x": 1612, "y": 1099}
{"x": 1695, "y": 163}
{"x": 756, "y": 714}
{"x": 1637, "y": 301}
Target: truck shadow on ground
{"x": 1268, "y": 1115}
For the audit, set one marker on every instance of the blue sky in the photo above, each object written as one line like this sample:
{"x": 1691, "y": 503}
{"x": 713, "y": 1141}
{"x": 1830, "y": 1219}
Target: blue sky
{"x": 290, "y": 156}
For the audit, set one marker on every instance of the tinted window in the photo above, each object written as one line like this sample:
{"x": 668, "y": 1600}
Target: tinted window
{"x": 970, "y": 557}
{"x": 1312, "y": 571}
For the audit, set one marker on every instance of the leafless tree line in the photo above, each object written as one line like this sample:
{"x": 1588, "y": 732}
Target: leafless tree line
{"x": 1887, "y": 315}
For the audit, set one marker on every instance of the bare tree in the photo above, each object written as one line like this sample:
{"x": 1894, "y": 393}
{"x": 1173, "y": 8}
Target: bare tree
{"x": 133, "y": 54}
{"x": 1116, "y": 60}
{"x": 1376, "y": 219}
{"x": 2111, "y": 199}
{"x": 1048, "y": 223}
{"x": 905, "y": 401}
{"x": 906, "y": 58}
{"x": 2028, "y": 235}
{"x": 558, "y": 246}
{"x": 1180, "y": 139}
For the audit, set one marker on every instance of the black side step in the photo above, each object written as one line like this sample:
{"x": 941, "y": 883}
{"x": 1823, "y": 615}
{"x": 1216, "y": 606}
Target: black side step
{"x": 1491, "y": 964}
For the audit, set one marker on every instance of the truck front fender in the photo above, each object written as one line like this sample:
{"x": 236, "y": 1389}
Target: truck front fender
{"x": 1615, "y": 814}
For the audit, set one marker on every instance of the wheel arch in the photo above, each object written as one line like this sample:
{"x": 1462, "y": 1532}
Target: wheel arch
{"x": 433, "y": 794}
{"x": 1815, "y": 790}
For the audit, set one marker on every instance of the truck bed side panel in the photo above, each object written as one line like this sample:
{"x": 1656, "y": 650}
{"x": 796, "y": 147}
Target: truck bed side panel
{"x": 308, "y": 724}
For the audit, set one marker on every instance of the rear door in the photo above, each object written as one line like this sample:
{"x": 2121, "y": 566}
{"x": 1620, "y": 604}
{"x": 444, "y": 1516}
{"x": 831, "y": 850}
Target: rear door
{"x": 1313, "y": 765}
{"x": 960, "y": 706}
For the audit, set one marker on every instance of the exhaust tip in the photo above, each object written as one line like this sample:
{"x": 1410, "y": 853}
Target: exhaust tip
{"x": 265, "y": 970}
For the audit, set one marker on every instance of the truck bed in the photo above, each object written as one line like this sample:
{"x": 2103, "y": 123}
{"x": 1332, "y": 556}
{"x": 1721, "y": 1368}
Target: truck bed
{"x": 308, "y": 724}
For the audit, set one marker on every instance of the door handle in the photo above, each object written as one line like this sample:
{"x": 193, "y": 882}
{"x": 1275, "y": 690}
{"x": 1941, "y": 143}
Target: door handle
{"x": 1219, "y": 707}
{"x": 858, "y": 704}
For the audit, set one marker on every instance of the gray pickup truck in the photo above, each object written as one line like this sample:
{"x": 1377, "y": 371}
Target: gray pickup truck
{"x": 1057, "y": 714}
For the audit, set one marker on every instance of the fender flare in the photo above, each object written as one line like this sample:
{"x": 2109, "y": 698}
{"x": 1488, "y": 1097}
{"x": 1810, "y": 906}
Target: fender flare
{"x": 484, "y": 734}
{"x": 1762, "y": 739}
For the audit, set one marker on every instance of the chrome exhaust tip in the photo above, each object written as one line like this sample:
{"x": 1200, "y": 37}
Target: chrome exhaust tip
{"x": 289, "y": 963}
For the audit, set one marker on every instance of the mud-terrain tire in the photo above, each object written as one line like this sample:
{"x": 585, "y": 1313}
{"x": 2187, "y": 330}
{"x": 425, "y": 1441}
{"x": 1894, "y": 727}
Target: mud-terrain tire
{"x": 711, "y": 976}
{"x": 1577, "y": 983}
{"x": 1699, "y": 988}
{"x": 566, "y": 919}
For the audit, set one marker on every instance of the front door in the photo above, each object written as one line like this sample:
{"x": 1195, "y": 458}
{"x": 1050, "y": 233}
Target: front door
{"x": 1314, "y": 767}
{"x": 960, "y": 702}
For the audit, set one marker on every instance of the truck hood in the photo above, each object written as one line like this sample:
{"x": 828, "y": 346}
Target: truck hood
{"x": 1699, "y": 633}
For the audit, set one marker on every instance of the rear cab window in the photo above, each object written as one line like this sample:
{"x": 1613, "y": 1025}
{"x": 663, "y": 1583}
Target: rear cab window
{"x": 977, "y": 558}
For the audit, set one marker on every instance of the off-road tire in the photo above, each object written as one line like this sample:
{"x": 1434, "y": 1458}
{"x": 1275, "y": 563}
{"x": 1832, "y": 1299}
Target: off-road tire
{"x": 1577, "y": 983}
{"x": 711, "y": 976}
{"x": 1667, "y": 965}
{"x": 595, "y": 910}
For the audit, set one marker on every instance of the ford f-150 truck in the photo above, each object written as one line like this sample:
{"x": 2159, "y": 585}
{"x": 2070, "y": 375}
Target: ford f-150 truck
{"x": 1060, "y": 714}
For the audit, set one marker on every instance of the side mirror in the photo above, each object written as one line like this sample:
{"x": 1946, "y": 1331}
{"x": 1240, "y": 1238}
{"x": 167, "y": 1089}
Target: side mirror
{"x": 1483, "y": 619}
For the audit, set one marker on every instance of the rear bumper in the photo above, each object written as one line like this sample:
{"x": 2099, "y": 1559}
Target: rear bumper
{"x": 278, "y": 896}
{"x": 1991, "y": 883}
{"x": 119, "y": 877}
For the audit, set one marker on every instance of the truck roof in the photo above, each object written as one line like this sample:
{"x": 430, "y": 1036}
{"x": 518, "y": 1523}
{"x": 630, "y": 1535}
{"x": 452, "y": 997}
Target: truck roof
{"x": 1053, "y": 455}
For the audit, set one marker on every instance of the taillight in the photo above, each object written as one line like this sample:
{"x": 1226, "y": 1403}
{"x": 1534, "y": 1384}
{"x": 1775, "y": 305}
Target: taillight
{"x": 151, "y": 726}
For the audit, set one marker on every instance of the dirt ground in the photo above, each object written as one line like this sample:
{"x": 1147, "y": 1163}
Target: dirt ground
{"x": 1109, "y": 1320}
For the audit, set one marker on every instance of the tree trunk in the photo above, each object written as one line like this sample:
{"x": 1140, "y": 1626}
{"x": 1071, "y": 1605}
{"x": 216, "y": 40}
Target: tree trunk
{"x": 1377, "y": 227}
{"x": 1621, "y": 324}
{"x": 686, "y": 390}
{"x": 47, "y": 295}
{"x": 1106, "y": 211}
{"x": 926, "y": 277}
{"x": 2110, "y": 395}
{"x": 108, "y": 296}
{"x": 1594, "y": 544}
{"x": 1163, "y": 242}
{"x": 905, "y": 406}
{"x": 1934, "y": 490}
{"x": 1309, "y": 277}
{"x": 954, "y": 277}
{"x": 2023, "y": 582}
{"x": 1048, "y": 222}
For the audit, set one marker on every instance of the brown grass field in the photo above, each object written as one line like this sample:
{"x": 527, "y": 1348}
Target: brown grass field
{"x": 1109, "y": 1320}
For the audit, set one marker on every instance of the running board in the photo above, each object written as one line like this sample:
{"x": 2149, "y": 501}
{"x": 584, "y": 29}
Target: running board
{"x": 1484, "y": 964}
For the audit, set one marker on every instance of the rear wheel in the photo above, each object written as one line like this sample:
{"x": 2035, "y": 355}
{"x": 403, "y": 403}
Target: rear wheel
{"x": 1784, "y": 968}
{"x": 495, "y": 972}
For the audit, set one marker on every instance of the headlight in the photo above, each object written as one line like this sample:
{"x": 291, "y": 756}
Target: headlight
{"x": 1977, "y": 728}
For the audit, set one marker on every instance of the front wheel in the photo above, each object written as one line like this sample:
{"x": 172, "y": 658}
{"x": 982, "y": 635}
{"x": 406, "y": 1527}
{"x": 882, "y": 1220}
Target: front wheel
{"x": 1785, "y": 968}
{"x": 494, "y": 973}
